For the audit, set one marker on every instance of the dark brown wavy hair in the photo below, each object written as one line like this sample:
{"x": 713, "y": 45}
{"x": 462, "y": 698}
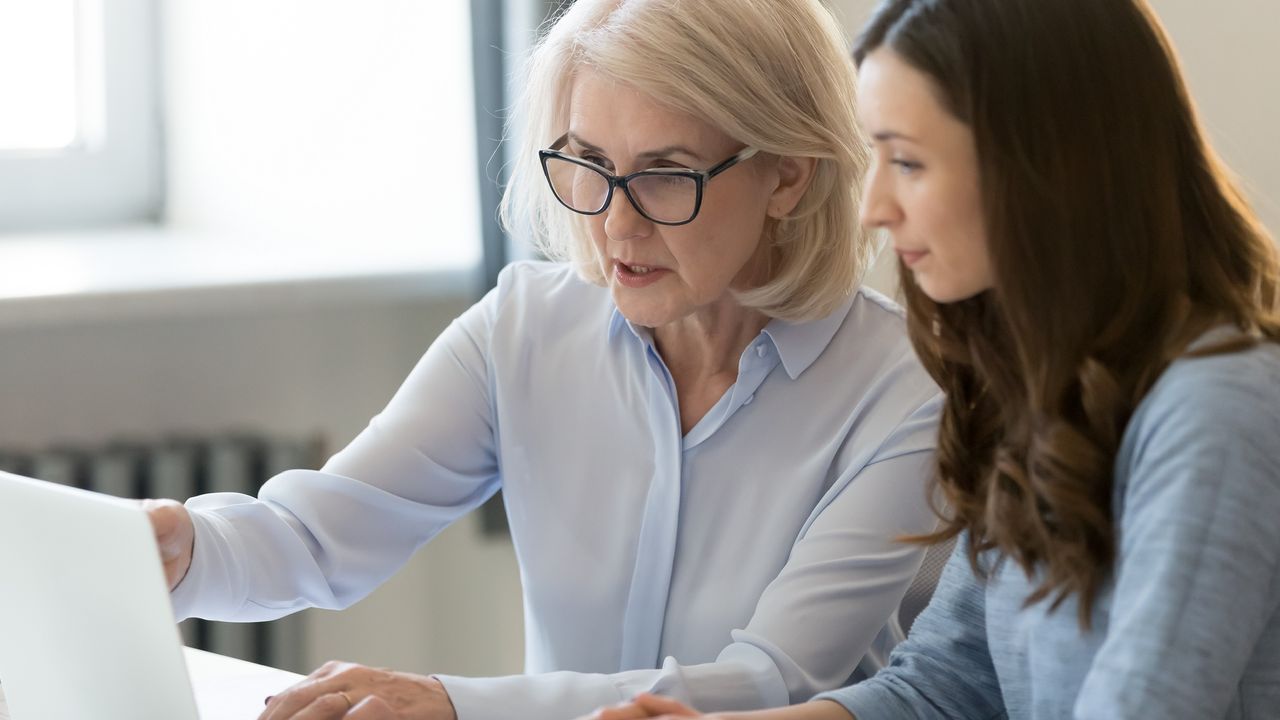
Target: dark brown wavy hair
{"x": 1116, "y": 235}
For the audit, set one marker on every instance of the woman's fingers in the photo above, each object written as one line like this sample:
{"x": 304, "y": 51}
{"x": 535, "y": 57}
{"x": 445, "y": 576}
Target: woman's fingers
{"x": 325, "y": 685}
{"x": 625, "y": 711}
{"x": 356, "y": 692}
{"x": 644, "y": 705}
{"x": 657, "y": 705}
{"x": 330, "y": 706}
{"x": 175, "y": 537}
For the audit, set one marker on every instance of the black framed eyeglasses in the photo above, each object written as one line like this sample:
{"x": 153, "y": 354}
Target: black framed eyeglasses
{"x": 667, "y": 196}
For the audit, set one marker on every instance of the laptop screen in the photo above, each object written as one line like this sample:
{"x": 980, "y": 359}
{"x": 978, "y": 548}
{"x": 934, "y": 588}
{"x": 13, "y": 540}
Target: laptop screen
{"x": 86, "y": 626}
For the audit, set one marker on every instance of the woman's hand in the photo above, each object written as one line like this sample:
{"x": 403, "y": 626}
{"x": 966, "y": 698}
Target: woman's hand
{"x": 354, "y": 692}
{"x": 175, "y": 536}
{"x": 649, "y": 706}
{"x": 652, "y": 706}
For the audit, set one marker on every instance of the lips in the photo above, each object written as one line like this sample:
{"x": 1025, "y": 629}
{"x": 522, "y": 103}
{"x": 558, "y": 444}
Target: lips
{"x": 637, "y": 275}
{"x": 910, "y": 257}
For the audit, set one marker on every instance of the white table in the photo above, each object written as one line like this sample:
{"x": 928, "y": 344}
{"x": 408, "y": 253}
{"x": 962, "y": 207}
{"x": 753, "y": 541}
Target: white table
{"x": 224, "y": 687}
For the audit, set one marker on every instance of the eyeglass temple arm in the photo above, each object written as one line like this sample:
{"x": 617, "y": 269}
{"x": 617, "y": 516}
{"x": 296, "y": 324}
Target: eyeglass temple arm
{"x": 746, "y": 154}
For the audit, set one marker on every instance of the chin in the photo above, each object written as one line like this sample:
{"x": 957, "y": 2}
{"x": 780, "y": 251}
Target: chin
{"x": 647, "y": 320}
{"x": 656, "y": 305}
{"x": 946, "y": 293}
{"x": 642, "y": 313}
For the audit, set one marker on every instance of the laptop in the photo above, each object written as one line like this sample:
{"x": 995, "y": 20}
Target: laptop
{"x": 86, "y": 626}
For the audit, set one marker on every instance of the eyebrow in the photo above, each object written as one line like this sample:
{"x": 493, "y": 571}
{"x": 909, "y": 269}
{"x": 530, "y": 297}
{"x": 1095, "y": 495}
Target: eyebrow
{"x": 887, "y": 135}
{"x": 654, "y": 154}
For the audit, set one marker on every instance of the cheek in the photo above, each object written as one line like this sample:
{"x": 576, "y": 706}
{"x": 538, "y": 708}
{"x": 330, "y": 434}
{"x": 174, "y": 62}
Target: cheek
{"x": 966, "y": 256}
{"x": 711, "y": 262}
{"x": 734, "y": 231}
{"x": 594, "y": 225}
{"x": 728, "y": 227}
{"x": 599, "y": 240}
{"x": 954, "y": 220}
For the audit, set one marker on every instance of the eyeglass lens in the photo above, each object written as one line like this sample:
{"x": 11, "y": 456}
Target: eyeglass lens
{"x": 663, "y": 198}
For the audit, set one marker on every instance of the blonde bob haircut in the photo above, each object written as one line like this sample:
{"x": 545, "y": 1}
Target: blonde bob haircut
{"x": 772, "y": 74}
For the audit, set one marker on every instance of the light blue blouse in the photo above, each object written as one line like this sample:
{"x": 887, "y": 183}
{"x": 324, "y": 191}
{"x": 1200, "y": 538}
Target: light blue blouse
{"x": 747, "y": 563}
{"x": 1189, "y": 627}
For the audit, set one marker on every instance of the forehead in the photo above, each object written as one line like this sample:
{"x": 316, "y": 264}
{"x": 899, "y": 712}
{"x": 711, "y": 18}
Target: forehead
{"x": 606, "y": 111}
{"x": 894, "y": 96}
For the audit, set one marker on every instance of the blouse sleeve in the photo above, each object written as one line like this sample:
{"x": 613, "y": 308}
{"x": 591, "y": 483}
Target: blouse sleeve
{"x": 327, "y": 538}
{"x": 943, "y": 670}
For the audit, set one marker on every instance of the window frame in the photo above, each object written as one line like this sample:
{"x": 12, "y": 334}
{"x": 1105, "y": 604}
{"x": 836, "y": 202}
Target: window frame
{"x": 113, "y": 174}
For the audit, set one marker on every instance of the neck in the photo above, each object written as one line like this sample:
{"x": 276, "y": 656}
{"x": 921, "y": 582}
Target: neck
{"x": 709, "y": 341}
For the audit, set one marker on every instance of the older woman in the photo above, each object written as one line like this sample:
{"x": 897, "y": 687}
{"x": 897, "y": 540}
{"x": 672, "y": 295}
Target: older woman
{"x": 707, "y": 437}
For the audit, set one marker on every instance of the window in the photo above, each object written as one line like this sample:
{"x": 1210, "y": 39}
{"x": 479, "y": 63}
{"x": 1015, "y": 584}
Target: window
{"x": 79, "y": 136}
{"x": 38, "y": 75}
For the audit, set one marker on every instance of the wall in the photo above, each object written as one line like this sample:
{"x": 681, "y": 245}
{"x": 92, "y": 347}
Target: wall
{"x": 1229, "y": 52}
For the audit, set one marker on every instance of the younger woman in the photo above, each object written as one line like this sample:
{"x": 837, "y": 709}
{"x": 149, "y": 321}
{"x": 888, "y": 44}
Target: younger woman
{"x": 1099, "y": 304}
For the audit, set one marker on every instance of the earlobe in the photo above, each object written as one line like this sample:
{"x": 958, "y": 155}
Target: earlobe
{"x": 794, "y": 177}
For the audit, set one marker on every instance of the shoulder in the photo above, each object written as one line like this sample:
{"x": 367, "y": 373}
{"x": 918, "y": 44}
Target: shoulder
{"x": 535, "y": 299}
{"x": 870, "y": 315}
{"x": 541, "y": 277}
{"x": 873, "y": 320}
{"x": 1237, "y": 390}
{"x": 872, "y": 343}
{"x": 543, "y": 291}
{"x": 871, "y": 366}
{"x": 882, "y": 306}
{"x": 1215, "y": 415}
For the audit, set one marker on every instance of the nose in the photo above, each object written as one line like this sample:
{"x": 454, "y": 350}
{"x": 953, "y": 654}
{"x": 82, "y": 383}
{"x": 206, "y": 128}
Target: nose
{"x": 622, "y": 220}
{"x": 880, "y": 209}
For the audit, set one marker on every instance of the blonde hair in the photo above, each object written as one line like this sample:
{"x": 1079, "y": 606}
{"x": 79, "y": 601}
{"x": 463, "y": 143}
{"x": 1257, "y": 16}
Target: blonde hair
{"x": 772, "y": 74}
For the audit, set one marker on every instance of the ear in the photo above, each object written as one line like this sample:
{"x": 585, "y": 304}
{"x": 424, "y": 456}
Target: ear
{"x": 794, "y": 176}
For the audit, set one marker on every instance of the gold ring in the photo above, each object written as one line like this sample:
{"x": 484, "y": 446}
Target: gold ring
{"x": 350, "y": 703}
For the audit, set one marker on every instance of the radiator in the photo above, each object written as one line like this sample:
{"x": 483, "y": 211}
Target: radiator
{"x": 178, "y": 468}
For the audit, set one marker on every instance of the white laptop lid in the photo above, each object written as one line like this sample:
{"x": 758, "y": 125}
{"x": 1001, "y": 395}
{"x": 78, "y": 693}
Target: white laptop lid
{"x": 86, "y": 626}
